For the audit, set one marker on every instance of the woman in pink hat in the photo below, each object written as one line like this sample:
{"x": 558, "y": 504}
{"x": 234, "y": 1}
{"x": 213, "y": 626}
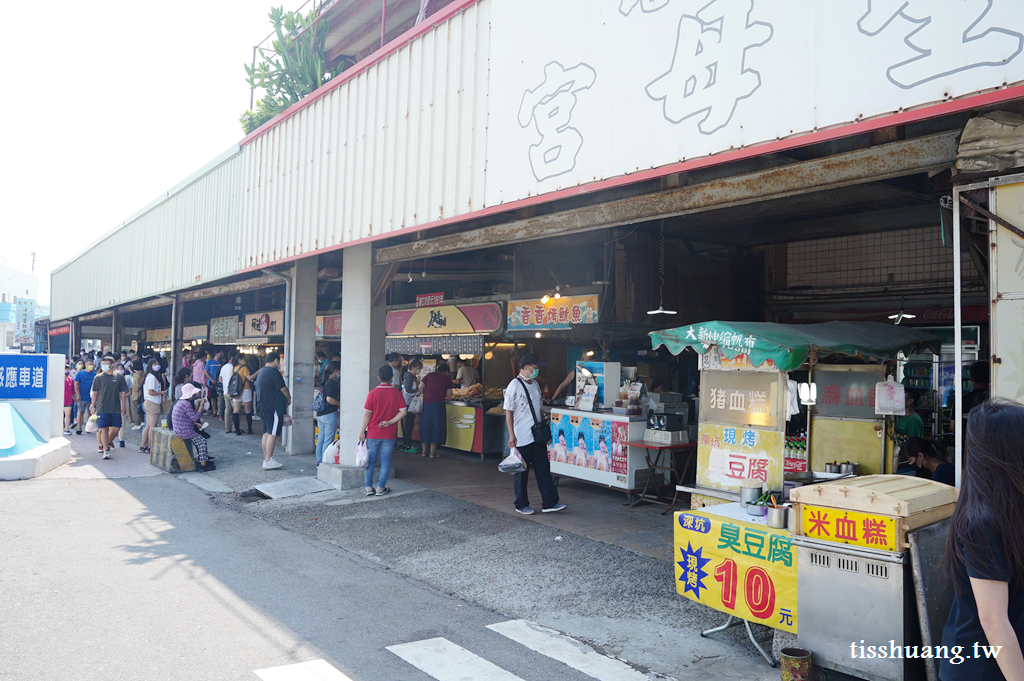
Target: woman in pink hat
{"x": 184, "y": 417}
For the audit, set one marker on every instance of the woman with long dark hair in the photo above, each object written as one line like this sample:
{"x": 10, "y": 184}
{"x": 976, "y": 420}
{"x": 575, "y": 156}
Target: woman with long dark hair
{"x": 985, "y": 549}
{"x": 154, "y": 389}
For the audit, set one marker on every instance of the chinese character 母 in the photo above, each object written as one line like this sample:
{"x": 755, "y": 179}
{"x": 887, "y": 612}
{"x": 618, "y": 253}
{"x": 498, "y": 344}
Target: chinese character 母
{"x": 710, "y": 71}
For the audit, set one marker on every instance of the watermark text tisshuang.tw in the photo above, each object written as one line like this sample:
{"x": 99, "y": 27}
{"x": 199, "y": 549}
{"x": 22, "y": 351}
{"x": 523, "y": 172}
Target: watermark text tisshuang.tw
{"x": 955, "y": 654}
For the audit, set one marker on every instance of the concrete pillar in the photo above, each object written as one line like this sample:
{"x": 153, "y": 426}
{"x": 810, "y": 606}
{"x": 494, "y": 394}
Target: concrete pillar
{"x": 300, "y": 347}
{"x": 362, "y": 341}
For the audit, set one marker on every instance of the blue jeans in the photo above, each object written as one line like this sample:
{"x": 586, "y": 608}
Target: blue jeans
{"x": 384, "y": 448}
{"x": 328, "y": 427}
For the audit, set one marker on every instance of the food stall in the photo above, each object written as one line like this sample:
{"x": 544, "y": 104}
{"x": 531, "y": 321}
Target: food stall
{"x": 736, "y": 551}
{"x": 434, "y": 329}
{"x": 745, "y": 388}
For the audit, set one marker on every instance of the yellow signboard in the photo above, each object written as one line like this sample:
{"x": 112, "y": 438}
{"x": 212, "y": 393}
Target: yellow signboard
{"x": 849, "y": 527}
{"x": 740, "y": 568}
{"x": 727, "y": 455}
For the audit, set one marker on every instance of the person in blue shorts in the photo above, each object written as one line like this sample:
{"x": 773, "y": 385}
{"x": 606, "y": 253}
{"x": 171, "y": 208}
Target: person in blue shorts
{"x": 109, "y": 402}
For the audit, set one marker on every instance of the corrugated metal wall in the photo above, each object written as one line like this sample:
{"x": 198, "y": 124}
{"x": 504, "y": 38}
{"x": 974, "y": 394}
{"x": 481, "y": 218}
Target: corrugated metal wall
{"x": 401, "y": 144}
{"x": 188, "y": 238}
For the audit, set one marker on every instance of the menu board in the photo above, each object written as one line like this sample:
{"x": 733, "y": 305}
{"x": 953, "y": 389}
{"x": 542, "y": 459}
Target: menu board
{"x": 846, "y": 393}
{"x": 742, "y": 398}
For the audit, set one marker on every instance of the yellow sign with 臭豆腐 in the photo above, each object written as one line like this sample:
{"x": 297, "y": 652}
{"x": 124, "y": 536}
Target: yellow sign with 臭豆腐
{"x": 848, "y": 527}
{"x": 736, "y": 567}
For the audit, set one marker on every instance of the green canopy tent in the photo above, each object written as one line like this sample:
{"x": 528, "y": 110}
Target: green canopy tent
{"x": 789, "y": 345}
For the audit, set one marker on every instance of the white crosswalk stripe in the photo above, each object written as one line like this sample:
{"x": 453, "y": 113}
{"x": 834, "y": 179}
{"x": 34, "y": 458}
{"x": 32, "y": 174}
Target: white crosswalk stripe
{"x": 314, "y": 670}
{"x": 446, "y": 661}
{"x": 569, "y": 651}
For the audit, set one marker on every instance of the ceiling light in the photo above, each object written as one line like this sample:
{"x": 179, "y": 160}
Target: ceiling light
{"x": 661, "y": 274}
{"x": 410, "y": 277}
{"x": 537, "y": 335}
{"x": 901, "y": 315}
{"x": 808, "y": 394}
{"x": 545, "y": 299}
{"x": 558, "y": 292}
{"x": 489, "y": 355}
{"x": 590, "y": 353}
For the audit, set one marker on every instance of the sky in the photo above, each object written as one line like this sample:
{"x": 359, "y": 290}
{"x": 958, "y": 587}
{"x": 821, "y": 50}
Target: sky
{"x": 110, "y": 105}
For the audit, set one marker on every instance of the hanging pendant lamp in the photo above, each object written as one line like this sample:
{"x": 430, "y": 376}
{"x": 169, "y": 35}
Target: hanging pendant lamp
{"x": 661, "y": 274}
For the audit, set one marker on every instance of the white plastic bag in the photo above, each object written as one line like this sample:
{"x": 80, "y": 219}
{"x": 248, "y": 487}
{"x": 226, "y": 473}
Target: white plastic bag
{"x": 890, "y": 398}
{"x": 513, "y": 463}
{"x": 91, "y": 425}
{"x": 333, "y": 453}
{"x": 362, "y": 455}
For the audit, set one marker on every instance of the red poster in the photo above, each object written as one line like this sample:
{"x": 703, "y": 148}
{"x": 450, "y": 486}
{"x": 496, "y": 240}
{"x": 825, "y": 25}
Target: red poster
{"x": 430, "y": 299}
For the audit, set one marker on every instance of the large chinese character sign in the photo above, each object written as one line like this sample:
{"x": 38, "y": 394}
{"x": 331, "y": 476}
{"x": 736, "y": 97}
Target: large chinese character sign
{"x": 741, "y": 568}
{"x": 23, "y": 377}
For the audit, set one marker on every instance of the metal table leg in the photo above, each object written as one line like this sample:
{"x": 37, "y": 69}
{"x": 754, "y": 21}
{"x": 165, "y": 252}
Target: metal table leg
{"x": 679, "y": 479}
{"x": 734, "y": 622}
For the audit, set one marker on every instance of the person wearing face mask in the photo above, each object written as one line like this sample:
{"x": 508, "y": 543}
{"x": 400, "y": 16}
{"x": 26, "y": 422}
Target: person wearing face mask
{"x": 83, "y": 390}
{"x": 119, "y": 371}
{"x": 184, "y": 417}
{"x": 154, "y": 389}
{"x": 109, "y": 394}
{"x": 69, "y": 400}
{"x": 522, "y": 412}
{"x": 436, "y": 388}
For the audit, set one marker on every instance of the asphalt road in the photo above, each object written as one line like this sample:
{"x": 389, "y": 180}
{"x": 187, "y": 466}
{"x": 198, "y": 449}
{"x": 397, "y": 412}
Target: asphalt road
{"x": 154, "y": 578}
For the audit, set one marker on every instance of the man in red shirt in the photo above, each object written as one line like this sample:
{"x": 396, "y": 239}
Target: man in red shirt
{"x": 385, "y": 407}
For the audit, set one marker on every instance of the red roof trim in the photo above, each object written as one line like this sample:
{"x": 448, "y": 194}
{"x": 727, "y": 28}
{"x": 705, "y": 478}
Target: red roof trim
{"x": 387, "y": 50}
{"x": 924, "y": 113}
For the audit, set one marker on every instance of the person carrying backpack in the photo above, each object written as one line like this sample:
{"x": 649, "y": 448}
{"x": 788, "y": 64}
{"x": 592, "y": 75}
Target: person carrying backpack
{"x": 239, "y": 391}
{"x": 326, "y": 406}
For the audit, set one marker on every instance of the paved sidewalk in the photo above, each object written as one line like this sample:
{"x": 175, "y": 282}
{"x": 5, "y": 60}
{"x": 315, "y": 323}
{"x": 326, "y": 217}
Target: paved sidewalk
{"x": 593, "y": 511}
{"x": 87, "y": 463}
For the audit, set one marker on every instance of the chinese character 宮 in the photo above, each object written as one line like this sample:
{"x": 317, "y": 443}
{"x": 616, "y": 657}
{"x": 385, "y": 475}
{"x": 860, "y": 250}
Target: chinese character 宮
{"x": 709, "y": 72}
{"x": 780, "y": 550}
{"x": 729, "y": 538}
{"x": 729, "y": 436}
{"x": 874, "y": 533}
{"x": 946, "y": 37}
{"x": 549, "y": 108}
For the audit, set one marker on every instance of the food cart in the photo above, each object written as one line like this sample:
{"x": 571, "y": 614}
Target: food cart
{"x": 436, "y": 329}
{"x": 745, "y": 388}
{"x": 727, "y": 558}
{"x": 856, "y": 541}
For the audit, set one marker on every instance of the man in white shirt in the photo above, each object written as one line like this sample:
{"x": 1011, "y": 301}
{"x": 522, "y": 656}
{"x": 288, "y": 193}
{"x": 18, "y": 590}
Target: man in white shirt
{"x": 521, "y": 393}
{"x": 226, "y": 406}
{"x": 467, "y": 374}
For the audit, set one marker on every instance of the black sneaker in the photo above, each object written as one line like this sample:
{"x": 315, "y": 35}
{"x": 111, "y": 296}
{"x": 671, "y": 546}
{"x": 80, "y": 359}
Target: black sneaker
{"x": 121, "y": 443}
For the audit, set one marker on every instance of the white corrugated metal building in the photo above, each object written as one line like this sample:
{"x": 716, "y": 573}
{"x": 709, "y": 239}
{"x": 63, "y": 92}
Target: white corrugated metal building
{"x": 498, "y": 121}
